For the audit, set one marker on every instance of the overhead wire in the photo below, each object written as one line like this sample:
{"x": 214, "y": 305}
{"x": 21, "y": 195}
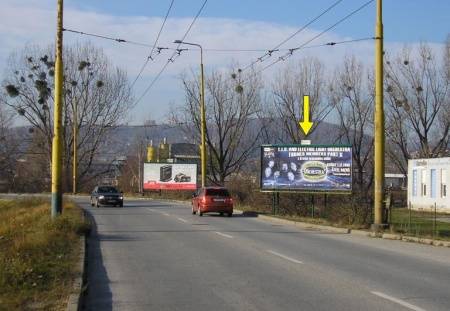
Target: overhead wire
{"x": 305, "y": 44}
{"x": 171, "y": 59}
{"x": 154, "y": 45}
{"x": 119, "y": 40}
{"x": 276, "y": 48}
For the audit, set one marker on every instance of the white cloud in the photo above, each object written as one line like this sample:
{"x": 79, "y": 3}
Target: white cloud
{"x": 33, "y": 22}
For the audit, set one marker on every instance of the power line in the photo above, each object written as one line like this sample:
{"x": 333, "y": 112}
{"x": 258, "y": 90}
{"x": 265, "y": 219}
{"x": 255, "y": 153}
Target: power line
{"x": 106, "y": 37}
{"x": 276, "y": 48}
{"x": 154, "y": 45}
{"x": 159, "y": 49}
{"x": 305, "y": 44}
{"x": 175, "y": 54}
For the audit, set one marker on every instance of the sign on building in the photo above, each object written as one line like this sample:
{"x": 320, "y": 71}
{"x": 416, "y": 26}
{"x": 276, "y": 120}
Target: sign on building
{"x": 306, "y": 168}
{"x": 167, "y": 176}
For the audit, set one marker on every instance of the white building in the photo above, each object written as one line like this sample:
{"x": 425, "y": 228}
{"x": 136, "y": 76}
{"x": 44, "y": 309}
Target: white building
{"x": 428, "y": 183}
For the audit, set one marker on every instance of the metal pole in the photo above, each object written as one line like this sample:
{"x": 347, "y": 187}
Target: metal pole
{"x": 409, "y": 219}
{"x": 202, "y": 112}
{"x": 203, "y": 119}
{"x": 75, "y": 142}
{"x": 56, "y": 206}
{"x": 434, "y": 222}
{"x": 139, "y": 169}
{"x": 379, "y": 220}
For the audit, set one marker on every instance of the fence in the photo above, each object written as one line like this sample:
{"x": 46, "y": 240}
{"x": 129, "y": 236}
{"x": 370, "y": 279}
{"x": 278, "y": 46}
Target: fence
{"x": 424, "y": 223}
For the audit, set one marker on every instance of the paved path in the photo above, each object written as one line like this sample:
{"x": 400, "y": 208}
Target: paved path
{"x": 155, "y": 255}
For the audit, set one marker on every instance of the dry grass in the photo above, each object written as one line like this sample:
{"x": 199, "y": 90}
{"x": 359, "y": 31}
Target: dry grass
{"x": 37, "y": 255}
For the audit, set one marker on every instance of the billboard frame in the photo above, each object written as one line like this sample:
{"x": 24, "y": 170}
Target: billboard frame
{"x": 302, "y": 191}
{"x": 163, "y": 164}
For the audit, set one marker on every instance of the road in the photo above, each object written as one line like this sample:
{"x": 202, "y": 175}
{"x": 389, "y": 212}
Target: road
{"x": 155, "y": 255}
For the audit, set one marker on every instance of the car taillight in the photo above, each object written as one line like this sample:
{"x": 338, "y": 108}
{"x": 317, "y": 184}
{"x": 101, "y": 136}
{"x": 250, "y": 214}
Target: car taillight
{"x": 203, "y": 200}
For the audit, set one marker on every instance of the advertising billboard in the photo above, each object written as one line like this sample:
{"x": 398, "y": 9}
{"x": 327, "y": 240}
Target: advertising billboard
{"x": 168, "y": 176}
{"x": 306, "y": 168}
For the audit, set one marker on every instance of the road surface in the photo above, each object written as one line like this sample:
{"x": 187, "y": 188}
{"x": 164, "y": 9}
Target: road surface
{"x": 156, "y": 255}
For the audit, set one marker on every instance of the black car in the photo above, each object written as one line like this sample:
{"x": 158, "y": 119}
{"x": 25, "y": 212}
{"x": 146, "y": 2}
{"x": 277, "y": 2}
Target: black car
{"x": 106, "y": 195}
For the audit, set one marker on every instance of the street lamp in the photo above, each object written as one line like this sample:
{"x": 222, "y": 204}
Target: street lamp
{"x": 202, "y": 111}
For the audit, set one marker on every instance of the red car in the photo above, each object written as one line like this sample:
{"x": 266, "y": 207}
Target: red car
{"x": 212, "y": 200}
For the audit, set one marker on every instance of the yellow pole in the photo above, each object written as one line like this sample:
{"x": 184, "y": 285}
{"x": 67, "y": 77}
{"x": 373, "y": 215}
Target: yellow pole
{"x": 75, "y": 142}
{"x": 379, "y": 121}
{"x": 56, "y": 205}
{"x": 203, "y": 120}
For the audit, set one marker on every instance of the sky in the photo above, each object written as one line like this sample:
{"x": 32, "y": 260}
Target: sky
{"x": 231, "y": 24}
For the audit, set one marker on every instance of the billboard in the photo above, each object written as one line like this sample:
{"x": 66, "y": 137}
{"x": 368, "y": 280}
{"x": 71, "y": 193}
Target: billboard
{"x": 307, "y": 168}
{"x": 168, "y": 176}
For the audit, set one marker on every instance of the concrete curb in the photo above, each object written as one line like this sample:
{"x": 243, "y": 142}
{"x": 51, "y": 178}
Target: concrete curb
{"x": 360, "y": 232}
{"x": 74, "y": 302}
{"x": 304, "y": 225}
{"x": 391, "y": 236}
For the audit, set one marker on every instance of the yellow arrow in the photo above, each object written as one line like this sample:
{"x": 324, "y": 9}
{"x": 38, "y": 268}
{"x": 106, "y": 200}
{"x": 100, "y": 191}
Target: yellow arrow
{"x": 306, "y": 124}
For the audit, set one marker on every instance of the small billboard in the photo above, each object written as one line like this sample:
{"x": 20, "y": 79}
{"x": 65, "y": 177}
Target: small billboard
{"x": 306, "y": 168}
{"x": 170, "y": 176}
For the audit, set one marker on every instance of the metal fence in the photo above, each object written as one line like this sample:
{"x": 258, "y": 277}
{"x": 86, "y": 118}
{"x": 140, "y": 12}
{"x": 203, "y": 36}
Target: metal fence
{"x": 424, "y": 223}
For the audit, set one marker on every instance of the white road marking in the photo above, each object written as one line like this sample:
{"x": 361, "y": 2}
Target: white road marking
{"x": 223, "y": 234}
{"x": 165, "y": 214}
{"x": 399, "y": 301}
{"x": 284, "y": 257}
{"x": 181, "y": 219}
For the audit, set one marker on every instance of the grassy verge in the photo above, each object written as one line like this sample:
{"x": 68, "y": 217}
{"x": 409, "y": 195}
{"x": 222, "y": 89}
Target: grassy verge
{"x": 37, "y": 255}
{"x": 420, "y": 223}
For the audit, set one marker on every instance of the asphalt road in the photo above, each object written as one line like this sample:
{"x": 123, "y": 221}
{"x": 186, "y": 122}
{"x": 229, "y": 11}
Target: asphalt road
{"x": 154, "y": 255}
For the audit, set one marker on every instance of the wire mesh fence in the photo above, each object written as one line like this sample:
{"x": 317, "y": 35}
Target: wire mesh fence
{"x": 423, "y": 223}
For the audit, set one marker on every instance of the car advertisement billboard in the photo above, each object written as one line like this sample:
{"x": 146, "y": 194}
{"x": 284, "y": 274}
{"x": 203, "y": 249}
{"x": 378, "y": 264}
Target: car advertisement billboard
{"x": 306, "y": 168}
{"x": 170, "y": 176}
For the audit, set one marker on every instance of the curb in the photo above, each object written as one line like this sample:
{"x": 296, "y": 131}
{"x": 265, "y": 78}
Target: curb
{"x": 74, "y": 301}
{"x": 304, "y": 225}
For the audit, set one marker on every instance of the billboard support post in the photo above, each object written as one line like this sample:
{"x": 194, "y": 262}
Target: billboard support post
{"x": 312, "y": 205}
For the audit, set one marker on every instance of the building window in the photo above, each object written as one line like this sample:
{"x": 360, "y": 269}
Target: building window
{"x": 423, "y": 184}
{"x": 414, "y": 183}
{"x": 444, "y": 183}
{"x": 433, "y": 183}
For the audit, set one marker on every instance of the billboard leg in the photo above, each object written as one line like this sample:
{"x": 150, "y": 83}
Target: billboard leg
{"x": 312, "y": 205}
{"x": 278, "y": 202}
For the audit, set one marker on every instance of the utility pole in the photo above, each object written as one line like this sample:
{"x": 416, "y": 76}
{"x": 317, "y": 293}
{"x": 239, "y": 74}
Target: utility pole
{"x": 75, "y": 141}
{"x": 56, "y": 205}
{"x": 379, "y": 221}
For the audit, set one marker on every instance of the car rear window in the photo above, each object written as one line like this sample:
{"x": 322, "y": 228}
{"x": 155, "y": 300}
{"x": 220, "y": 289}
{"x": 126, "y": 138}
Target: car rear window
{"x": 107, "y": 190}
{"x": 218, "y": 192}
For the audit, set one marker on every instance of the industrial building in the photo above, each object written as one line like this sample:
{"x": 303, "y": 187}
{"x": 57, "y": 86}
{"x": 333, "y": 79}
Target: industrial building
{"x": 428, "y": 183}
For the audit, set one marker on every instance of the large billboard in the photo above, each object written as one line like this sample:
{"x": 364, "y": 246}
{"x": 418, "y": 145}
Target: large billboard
{"x": 168, "y": 176}
{"x": 307, "y": 168}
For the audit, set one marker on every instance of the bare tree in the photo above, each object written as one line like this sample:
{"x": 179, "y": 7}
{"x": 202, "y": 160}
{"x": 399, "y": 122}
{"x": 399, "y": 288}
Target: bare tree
{"x": 418, "y": 103}
{"x": 232, "y": 114}
{"x": 100, "y": 91}
{"x": 8, "y": 145}
{"x": 307, "y": 78}
{"x": 352, "y": 94}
